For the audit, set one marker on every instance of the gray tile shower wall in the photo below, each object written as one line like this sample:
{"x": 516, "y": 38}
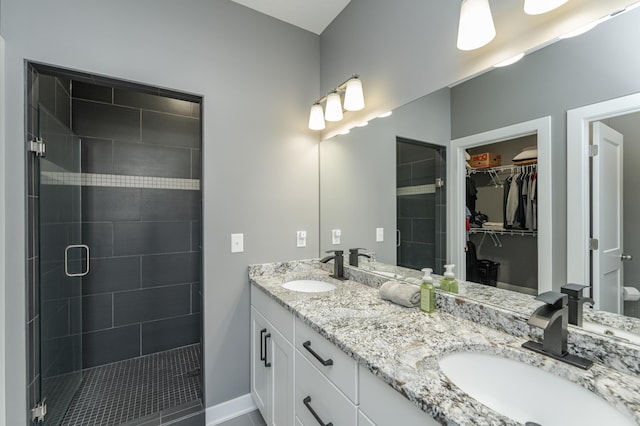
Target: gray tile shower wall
{"x": 143, "y": 292}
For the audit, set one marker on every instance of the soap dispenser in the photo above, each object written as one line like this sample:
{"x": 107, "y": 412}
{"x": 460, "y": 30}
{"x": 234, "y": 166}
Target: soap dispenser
{"x": 449, "y": 283}
{"x": 427, "y": 292}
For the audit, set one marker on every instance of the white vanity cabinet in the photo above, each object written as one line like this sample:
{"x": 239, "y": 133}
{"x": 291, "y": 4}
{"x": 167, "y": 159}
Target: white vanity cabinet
{"x": 300, "y": 378}
{"x": 326, "y": 388}
{"x": 272, "y": 360}
{"x": 382, "y": 405}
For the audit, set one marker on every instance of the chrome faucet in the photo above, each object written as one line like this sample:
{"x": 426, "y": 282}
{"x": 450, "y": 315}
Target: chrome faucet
{"x": 552, "y": 318}
{"x": 338, "y": 263}
{"x": 354, "y": 255}
{"x": 576, "y": 300}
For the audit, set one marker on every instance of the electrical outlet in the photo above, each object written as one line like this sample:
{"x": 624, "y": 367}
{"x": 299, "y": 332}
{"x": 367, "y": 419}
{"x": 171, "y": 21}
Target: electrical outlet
{"x": 237, "y": 243}
{"x": 336, "y": 234}
{"x": 379, "y": 235}
{"x": 301, "y": 238}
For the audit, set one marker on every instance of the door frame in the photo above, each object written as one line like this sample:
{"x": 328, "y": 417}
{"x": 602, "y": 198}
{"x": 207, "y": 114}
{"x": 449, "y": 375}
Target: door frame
{"x": 578, "y": 179}
{"x": 456, "y": 193}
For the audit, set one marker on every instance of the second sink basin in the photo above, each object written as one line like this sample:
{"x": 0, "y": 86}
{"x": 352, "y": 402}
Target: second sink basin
{"x": 309, "y": 286}
{"x": 528, "y": 394}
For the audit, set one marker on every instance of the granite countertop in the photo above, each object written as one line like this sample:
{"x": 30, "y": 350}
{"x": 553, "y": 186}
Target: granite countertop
{"x": 402, "y": 345}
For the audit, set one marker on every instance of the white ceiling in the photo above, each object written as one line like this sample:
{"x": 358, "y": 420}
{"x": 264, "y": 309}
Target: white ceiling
{"x": 311, "y": 15}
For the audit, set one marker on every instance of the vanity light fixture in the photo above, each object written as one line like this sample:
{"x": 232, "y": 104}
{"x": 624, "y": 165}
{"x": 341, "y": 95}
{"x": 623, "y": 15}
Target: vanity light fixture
{"x": 510, "y": 61}
{"x": 333, "y": 111}
{"x": 476, "y": 27}
{"x": 316, "y": 117}
{"x": 353, "y": 101}
{"x": 362, "y": 124}
{"x": 386, "y": 114}
{"x": 538, "y": 7}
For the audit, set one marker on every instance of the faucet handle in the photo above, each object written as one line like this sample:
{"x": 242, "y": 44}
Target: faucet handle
{"x": 337, "y": 252}
{"x": 355, "y": 250}
{"x": 573, "y": 290}
{"x": 553, "y": 298}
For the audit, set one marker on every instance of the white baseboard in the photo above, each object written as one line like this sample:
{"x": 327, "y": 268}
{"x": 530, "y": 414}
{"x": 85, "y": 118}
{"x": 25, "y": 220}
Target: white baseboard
{"x": 230, "y": 409}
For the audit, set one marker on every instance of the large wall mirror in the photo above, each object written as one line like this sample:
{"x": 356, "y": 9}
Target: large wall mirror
{"x": 370, "y": 189}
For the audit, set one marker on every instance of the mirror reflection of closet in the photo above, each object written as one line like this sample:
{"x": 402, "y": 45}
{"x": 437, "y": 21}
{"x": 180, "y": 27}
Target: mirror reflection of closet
{"x": 503, "y": 222}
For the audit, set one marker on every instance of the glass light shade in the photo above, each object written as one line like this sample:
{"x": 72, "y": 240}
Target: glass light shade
{"x": 354, "y": 97}
{"x": 333, "y": 110}
{"x": 386, "y": 114}
{"x": 316, "y": 117}
{"x": 476, "y": 25}
{"x": 538, "y": 7}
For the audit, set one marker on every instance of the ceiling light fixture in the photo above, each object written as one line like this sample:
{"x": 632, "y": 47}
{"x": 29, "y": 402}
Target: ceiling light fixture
{"x": 510, "y": 61}
{"x": 538, "y": 7}
{"x": 476, "y": 27}
{"x": 353, "y": 101}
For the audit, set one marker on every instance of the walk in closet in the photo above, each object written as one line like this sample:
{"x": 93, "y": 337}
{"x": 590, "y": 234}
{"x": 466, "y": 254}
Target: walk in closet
{"x": 501, "y": 197}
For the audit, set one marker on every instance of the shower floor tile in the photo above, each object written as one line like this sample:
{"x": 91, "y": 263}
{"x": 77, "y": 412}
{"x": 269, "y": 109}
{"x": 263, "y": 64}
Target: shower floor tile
{"x": 125, "y": 391}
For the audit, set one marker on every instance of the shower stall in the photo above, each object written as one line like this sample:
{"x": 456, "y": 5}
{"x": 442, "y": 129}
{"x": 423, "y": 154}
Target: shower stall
{"x": 114, "y": 251}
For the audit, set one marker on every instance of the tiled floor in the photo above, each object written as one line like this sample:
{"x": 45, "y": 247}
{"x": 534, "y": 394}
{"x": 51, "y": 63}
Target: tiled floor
{"x": 251, "y": 419}
{"x": 142, "y": 388}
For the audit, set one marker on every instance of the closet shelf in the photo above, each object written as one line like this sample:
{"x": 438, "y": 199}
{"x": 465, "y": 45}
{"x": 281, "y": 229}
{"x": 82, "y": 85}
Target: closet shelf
{"x": 509, "y": 232}
{"x": 494, "y": 172}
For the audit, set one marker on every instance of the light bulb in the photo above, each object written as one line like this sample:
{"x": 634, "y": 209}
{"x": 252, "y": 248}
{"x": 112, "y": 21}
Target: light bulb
{"x": 333, "y": 110}
{"x": 316, "y": 117}
{"x": 476, "y": 25}
{"x": 354, "y": 97}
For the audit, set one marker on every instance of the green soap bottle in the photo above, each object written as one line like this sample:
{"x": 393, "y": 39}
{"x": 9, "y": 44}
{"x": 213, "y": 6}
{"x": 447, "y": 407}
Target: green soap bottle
{"x": 449, "y": 283}
{"x": 427, "y": 292}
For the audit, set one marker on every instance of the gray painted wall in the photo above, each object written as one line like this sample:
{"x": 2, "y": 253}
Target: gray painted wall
{"x": 257, "y": 76}
{"x": 358, "y": 174}
{"x": 597, "y": 66}
{"x": 2, "y": 237}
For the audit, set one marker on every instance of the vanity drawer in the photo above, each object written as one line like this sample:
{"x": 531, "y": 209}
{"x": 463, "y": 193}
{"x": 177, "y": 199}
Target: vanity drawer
{"x": 316, "y": 394}
{"x": 342, "y": 371}
{"x": 276, "y": 314}
{"x": 384, "y": 406}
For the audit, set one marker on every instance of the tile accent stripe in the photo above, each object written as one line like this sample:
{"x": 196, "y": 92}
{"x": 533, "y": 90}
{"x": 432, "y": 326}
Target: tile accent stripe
{"x": 416, "y": 190}
{"x": 93, "y": 179}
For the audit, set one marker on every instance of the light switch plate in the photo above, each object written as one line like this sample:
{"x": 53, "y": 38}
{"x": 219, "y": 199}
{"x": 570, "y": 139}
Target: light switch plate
{"x": 379, "y": 235}
{"x": 237, "y": 243}
{"x": 336, "y": 234}
{"x": 301, "y": 238}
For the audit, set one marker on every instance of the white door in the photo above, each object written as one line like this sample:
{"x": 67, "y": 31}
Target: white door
{"x": 607, "y": 218}
{"x": 260, "y": 374}
{"x": 280, "y": 356}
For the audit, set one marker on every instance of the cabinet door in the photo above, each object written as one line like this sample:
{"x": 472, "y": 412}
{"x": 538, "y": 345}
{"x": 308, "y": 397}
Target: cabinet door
{"x": 260, "y": 374}
{"x": 280, "y": 356}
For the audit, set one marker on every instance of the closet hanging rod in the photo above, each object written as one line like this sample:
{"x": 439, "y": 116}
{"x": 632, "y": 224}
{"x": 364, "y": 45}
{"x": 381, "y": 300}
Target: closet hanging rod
{"x": 509, "y": 232}
{"x": 513, "y": 168}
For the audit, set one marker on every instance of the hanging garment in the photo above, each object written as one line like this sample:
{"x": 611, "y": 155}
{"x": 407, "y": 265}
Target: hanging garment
{"x": 512, "y": 201}
{"x": 534, "y": 201}
{"x": 506, "y": 186}
{"x": 472, "y": 196}
{"x": 530, "y": 197}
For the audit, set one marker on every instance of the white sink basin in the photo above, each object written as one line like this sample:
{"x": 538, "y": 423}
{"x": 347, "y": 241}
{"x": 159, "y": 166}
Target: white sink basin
{"x": 308, "y": 286}
{"x": 528, "y": 394}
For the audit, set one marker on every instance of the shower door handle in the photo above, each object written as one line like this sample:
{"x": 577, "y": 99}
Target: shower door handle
{"x": 66, "y": 260}
{"x": 398, "y": 238}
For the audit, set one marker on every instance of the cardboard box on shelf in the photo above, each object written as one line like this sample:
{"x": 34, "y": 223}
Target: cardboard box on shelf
{"x": 485, "y": 159}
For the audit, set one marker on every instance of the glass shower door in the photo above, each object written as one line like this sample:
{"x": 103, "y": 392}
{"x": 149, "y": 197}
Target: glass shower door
{"x": 63, "y": 262}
